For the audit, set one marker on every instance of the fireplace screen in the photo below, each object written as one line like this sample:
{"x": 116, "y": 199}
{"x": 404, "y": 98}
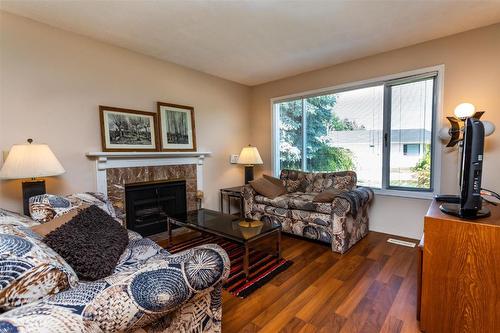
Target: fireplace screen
{"x": 149, "y": 204}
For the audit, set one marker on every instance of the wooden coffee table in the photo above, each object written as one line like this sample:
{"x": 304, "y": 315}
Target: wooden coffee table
{"x": 240, "y": 230}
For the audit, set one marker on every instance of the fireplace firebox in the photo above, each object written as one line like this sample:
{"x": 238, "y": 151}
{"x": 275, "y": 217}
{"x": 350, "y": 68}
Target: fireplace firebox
{"x": 148, "y": 204}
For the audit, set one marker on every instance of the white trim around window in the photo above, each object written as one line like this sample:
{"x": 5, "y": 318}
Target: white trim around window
{"x": 437, "y": 123}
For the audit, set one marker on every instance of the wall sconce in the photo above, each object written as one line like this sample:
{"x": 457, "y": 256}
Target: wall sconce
{"x": 462, "y": 112}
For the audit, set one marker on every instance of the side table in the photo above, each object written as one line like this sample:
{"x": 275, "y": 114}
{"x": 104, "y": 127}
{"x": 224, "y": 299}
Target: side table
{"x": 231, "y": 193}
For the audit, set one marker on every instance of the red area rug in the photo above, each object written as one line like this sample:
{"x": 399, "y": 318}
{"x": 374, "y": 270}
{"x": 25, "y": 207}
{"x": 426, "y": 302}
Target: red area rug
{"x": 263, "y": 266}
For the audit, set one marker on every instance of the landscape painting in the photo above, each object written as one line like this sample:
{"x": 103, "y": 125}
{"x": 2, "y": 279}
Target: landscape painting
{"x": 127, "y": 130}
{"x": 177, "y": 127}
{"x": 177, "y": 130}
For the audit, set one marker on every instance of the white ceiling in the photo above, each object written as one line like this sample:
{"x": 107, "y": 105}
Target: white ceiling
{"x": 252, "y": 42}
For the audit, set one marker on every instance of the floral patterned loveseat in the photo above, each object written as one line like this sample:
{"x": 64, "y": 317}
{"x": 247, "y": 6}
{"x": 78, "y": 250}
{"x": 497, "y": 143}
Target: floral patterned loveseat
{"x": 341, "y": 223}
{"x": 150, "y": 290}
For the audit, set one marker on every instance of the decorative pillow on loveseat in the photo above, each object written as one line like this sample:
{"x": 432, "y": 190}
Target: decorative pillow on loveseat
{"x": 327, "y": 195}
{"x": 45, "y": 207}
{"x": 276, "y": 181}
{"x": 267, "y": 188}
{"x": 91, "y": 242}
{"x": 30, "y": 270}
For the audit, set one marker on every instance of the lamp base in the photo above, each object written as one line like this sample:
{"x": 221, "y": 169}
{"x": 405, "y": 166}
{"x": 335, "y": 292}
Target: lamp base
{"x": 248, "y": 173}
{"x": 30, "y": 189}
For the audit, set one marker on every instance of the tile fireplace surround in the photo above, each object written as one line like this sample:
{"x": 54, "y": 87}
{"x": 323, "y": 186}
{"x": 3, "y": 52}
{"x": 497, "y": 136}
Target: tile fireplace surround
{"x": 116, "y": 169}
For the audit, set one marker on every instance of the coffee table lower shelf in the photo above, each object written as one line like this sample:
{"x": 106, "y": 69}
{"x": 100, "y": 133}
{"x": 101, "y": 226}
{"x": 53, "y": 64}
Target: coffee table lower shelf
{"x": 225, "y": 218}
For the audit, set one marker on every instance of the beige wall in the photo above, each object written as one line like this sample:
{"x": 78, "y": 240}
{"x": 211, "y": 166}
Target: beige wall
{"x": 472, "y": 73}
{"x": 52, "y": 82}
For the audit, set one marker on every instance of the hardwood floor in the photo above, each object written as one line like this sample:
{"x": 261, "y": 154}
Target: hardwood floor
{"x": 372, "y": 288}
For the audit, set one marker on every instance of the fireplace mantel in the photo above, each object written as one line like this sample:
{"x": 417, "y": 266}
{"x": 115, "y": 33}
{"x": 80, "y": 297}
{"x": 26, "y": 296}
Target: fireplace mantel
{"x": 112, "y": 160}
{"x": 155, "y": 154}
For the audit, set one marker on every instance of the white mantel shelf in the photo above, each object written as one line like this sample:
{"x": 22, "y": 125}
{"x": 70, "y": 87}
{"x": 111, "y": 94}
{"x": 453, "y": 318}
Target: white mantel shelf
{"x": 110, "y": 160}
{"x": 155, "y": 154}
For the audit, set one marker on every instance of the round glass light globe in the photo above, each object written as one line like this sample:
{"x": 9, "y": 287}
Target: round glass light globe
{"x": 444, "y": 133}
{"x": 489, "y": 127}
{"x": 464, "y": 110}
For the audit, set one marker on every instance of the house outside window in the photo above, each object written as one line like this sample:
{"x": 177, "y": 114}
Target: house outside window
{"x": 383, "y": 130}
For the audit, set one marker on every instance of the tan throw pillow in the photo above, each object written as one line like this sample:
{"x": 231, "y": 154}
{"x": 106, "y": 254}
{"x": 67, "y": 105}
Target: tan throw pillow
{"x": 327, "y": 195}
{"x": 266, "y": 188}
{"x": 274, "y": 180}
{"x": 46, "y": 228}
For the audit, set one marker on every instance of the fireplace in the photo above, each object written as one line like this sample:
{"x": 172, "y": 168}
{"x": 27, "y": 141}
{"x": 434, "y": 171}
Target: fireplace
{"x": 149, "y": 203}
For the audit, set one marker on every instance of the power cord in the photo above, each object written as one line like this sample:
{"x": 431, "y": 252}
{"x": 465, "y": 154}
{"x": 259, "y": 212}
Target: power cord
{"x": 485, "y": 192}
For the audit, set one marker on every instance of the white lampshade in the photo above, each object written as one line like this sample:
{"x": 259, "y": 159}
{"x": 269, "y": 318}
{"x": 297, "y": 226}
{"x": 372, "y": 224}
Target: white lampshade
{"x": 464, "y": 110}
{"x": 30, "y": 161}
{"x": 250, "y": 156}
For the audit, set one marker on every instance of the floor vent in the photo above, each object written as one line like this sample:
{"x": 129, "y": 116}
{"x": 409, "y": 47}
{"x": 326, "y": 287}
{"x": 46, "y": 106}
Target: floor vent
{"x": 400, "y": 242}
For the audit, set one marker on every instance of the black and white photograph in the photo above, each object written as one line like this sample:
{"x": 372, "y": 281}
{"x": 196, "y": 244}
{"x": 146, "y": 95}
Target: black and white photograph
{"x": 177, "y": 127}
{"x": 177, "y": 130}
{"x": 127, "y": 130}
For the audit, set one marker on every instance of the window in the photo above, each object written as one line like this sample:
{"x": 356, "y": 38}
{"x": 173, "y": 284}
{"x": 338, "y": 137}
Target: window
{"x": 382, "y": 130}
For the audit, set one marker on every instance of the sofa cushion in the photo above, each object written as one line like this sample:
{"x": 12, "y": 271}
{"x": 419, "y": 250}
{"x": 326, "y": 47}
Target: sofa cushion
{"x": 267, "y": 188}
{"x": 30, "y": 270}
{"x": 327, "y": 195}
{"x": 91, "y": 242}
{"x": 12, "y": 218}
{"x": 310, "y": 217}
{"x": 304, "y": 201}
{"x": 281, "y": 201}
{"x": 267, "y": 209}
{"x": 299, "y": 181}
{"x": 45, "y": 207}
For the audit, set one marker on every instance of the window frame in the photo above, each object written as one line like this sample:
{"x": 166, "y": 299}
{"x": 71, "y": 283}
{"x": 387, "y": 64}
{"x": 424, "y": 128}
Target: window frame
{"x": 387, "y": 81}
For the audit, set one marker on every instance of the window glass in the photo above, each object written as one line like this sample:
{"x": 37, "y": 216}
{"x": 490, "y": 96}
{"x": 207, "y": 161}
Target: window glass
{"x": 411, "y": 133}
{"x": 290, "y": 134}
{"x": 344, "y": 132}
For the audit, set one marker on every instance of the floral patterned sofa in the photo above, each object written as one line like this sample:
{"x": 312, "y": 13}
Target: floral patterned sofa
{"x": 149, "y": 291}
{"x": 341, "y": 223}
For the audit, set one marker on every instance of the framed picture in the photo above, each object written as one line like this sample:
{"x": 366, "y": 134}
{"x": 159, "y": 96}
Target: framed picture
{"x": 127, "y": 130}
{"x": 177, "y": 130}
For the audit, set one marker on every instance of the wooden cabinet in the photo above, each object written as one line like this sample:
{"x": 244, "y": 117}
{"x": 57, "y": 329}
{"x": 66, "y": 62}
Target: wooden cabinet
{"x": 460, "y": 273}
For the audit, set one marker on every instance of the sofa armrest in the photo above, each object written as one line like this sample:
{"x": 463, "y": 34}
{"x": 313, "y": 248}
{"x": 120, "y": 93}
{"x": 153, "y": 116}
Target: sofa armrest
{"x": 352, "y": 202}
{"x": 248, "y": 194}
{"x": 128, "y": 299}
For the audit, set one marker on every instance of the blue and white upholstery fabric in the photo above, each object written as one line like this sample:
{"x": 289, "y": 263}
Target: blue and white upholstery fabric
{"x": 341, "y": 223}
{"x": 45, "y": 207}
{"x": 150, "y": 291}
{"x": 166, "y": 293}
{"x": 138, "y": 251}
{"x": 29, "y": 269}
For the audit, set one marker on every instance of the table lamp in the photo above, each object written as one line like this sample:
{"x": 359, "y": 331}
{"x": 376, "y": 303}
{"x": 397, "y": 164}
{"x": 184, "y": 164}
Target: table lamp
{"x": 31, "y": 161}
{"x": 249, "y": 156}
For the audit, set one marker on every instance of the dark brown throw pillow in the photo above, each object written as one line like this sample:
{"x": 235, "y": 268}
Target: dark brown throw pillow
{"x": 266, "y": 188}
{"x": 46, "y": 228}
{"x": 274, "y": 180}
{"x": 91, "y": 243}
{"x": 327, "y": 195}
